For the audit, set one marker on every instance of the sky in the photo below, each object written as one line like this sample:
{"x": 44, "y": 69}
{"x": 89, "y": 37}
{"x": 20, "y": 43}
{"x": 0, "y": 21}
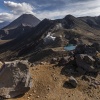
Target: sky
{"x": 51, "y": 9}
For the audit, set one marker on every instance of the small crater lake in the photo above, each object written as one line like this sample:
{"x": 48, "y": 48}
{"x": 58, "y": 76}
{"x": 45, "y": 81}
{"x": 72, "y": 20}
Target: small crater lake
{"x": 70, "y": 47}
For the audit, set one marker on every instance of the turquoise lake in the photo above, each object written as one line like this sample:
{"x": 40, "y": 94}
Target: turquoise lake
{"x": 70, "y": 47}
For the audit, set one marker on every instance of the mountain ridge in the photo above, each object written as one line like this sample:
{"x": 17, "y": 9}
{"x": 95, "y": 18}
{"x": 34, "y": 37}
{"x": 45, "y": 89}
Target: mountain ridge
{"x": 77, "y": 31}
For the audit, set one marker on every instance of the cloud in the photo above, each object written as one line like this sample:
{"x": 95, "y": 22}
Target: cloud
{"x": 15, "y": 10}
{"x": 51, "y": 9}
{"x": 19, "y": 8}
{"x": 79, "y": 8}
{"x": 6, "y": 17}
{"x": 86, "y": 8}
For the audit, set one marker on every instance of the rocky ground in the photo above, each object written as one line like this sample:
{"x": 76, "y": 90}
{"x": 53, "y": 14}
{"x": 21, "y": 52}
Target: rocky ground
{"x": 73, "y": 76}
{"x": 51, "y": 84}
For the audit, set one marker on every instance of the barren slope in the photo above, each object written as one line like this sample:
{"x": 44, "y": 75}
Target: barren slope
{"x": 49, "y": 84}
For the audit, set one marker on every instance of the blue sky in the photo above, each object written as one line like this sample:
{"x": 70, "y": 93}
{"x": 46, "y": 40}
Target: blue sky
{"x": 52, "y": 9}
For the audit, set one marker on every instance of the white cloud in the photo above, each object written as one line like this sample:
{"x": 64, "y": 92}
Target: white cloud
{"x": 78, "y": 8}
{"x": 6, "y": 17}
{"x": 19, "y": 8}
{"x": 52, "y": 14}
{"x": 16, "y": 9}
{"x": 1, "y": 21}
{"x": 84, "y": 8}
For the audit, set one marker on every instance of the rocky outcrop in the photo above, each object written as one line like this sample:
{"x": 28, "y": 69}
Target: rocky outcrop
{"x": 73, "y": 81}
{"x": 64, "y": 60}
{"x": 15, "y": 79}
{"x": 87, "y": 62}
{"x": 88, "y": 57}
{"x": 85, "y": 49}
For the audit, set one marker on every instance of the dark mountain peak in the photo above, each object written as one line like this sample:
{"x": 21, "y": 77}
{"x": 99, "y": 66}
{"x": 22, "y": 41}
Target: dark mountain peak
{"x": 46, "y": 19}
{"x": 25, "y": 19}
{"x": 69, "y": 21}
{"x": 22, "y": 24}
{"x": 69, "y": 17}
{"x": 26, "y": 15}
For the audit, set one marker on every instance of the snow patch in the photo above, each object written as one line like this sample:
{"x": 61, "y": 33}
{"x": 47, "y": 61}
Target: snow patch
{"x": 49, "y": 38}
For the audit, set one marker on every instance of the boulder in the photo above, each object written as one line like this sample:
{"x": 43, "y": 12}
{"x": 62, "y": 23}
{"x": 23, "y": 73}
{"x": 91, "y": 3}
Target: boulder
{"x": 54, "y": 60}
{"x": 15, "y": 79}
{"x": 86, "y": 62}
{"x": 73, "y": 81}
{"x": 64, "y": 60}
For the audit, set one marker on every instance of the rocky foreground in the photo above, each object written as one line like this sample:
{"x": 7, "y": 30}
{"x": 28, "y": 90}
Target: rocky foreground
{"x": 75, "y": 76}
{"x": 15, "y": 79}
{"x": 50, "y": 82}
